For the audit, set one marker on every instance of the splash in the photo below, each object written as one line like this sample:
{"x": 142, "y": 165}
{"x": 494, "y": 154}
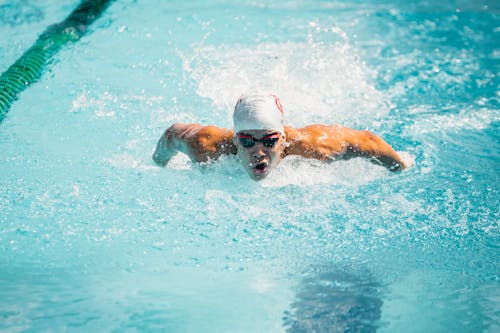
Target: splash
{"x": 431, "y": 121}
{"x": 325, "y": 83}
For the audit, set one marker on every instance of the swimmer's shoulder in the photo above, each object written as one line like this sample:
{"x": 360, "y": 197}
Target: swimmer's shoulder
{"x": 187, "y": 130}
{"x": 212, "y": 141}
{"x": 317, "y": 141}
{"x": 214, "y": 133}
{"x": 313, "y": 132}
{"x": 182, "y": 130}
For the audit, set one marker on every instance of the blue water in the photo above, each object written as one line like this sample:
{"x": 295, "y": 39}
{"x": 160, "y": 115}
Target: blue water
{"x": 95, "y": 237}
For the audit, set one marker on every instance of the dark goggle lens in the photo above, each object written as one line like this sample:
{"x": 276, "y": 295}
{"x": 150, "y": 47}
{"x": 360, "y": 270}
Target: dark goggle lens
{"x": 269, "y": 142}
{"x": 248, "y": 141}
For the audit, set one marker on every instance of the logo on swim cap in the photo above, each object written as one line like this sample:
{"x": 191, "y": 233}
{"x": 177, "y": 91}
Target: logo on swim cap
{"x": 258, "y": 112}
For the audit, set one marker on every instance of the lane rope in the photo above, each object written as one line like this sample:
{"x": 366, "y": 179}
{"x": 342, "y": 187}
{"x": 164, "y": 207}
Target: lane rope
{"x": 29, "y": 67}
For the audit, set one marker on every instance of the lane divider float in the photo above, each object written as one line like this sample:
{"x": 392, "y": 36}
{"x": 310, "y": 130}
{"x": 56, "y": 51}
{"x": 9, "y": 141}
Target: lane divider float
{"x": 29, "y": 67}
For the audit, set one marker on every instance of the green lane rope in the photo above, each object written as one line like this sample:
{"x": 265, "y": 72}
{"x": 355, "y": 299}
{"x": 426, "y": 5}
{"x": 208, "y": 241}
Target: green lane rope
{"x": 29, "y": 67}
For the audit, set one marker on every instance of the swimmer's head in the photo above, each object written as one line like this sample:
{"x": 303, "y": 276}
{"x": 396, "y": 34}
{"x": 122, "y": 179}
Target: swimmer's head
{"x": 258, "y": 112}
{"x": 259, "y": 133}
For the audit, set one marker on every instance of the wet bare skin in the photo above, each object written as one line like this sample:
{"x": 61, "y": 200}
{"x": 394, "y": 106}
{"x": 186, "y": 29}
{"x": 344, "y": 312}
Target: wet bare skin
{"x": 321, "y": 142}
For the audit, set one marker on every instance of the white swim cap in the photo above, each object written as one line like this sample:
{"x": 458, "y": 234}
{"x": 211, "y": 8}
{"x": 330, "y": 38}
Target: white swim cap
{"x": 258, "y": 112}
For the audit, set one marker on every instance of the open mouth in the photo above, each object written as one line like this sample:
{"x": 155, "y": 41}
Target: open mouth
{"x": 260, "y": 168}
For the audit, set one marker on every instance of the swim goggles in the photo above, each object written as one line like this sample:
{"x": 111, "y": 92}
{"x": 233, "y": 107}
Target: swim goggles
{"x": 248, "y": 141}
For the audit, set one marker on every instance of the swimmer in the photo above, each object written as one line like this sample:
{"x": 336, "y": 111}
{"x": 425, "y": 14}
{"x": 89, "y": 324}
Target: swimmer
{"x": 261, "y": 140}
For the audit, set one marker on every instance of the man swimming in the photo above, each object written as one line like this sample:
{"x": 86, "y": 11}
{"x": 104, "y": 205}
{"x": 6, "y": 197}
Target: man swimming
{"x": 261, "y": 140}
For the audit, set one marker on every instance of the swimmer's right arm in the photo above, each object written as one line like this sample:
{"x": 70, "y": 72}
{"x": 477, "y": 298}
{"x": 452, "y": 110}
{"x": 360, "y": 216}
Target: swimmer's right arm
{"x": 200, "y": 143}
{"x": 171, "y": 142}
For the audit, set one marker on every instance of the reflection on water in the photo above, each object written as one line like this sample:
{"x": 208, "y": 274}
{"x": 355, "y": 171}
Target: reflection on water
{"x": 335, "y": 300}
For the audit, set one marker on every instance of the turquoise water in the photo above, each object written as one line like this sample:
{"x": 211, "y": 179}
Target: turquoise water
{"x": 95, "y": 237}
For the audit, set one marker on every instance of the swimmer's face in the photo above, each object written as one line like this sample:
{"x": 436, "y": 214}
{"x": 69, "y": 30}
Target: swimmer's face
{"x": 259, "y": 151}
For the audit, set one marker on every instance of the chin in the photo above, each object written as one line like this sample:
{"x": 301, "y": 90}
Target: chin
{"x": 259, "y": 177}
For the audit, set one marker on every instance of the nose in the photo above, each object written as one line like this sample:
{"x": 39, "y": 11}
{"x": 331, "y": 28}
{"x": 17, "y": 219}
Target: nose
{"x": 259, "y": 151}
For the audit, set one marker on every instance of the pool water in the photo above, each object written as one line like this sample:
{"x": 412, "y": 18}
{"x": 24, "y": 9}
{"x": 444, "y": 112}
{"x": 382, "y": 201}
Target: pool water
{"x": 95, "y": 237}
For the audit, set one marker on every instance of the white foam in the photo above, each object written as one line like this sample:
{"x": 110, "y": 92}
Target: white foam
{"x": 316, "y": 82}
{"x": 296, "y": 170}
{"x": 180, "y": 162}
{"x": 408, "y": 158}
{"x": 465, "y": 119}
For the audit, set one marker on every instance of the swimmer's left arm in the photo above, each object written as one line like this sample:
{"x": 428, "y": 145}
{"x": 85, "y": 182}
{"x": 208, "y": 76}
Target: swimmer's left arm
{"x": 368, "y": 145}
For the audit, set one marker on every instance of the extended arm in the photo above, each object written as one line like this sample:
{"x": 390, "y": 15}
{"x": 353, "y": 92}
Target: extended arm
{"x": 368, "y": 145}
{"x": 329, "y": 143}
{"x": 200, "y": 143}
{"x": 171, "y": 142}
